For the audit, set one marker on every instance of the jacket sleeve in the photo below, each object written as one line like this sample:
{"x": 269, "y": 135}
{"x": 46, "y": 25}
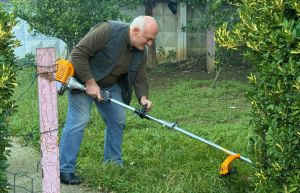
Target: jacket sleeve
{"x": 90, "y": 44}
{"x": 140, "y": 83}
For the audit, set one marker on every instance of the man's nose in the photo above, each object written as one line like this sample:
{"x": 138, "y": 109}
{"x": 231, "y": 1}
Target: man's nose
{"x": 149, "y": 43}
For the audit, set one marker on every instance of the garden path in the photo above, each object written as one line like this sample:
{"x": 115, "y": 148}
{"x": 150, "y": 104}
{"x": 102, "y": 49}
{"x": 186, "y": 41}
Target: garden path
{"x": 25, "y": 169}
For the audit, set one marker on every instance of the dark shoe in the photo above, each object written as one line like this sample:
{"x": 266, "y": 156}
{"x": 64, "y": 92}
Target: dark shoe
{"x": 70, "y": 178}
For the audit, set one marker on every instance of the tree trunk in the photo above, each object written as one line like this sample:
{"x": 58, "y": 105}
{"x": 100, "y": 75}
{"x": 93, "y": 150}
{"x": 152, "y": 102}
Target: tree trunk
{"x": 210, "y": 63}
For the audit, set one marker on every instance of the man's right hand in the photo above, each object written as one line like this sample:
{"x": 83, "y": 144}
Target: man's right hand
{"x": 93, "y": 89}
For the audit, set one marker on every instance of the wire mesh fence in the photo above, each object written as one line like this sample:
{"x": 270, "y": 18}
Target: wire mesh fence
{"x": 25, "y": 182}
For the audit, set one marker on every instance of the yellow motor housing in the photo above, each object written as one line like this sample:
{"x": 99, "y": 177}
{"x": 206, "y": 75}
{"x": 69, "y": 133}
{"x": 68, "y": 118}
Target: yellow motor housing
{"x": 226, "y": 166}
{"x": 64, "y": 70}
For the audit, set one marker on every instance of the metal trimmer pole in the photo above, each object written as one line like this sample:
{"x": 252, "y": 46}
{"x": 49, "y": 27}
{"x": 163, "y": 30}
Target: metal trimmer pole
{"x": 174, "y": 126}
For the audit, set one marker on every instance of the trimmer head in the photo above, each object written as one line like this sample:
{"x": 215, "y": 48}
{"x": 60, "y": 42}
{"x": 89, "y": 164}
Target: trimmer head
{"x": 226, "y": 167}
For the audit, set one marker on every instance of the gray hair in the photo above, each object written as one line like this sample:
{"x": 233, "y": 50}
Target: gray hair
{"x": 139, "y": 22}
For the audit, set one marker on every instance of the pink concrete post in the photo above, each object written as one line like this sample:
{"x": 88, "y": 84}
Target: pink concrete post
{"x": 211, "y": 44}
{"x": 45, "y": 59}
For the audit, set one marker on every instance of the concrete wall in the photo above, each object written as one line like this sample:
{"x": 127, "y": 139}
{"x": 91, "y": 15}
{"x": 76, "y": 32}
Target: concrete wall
{"x": 170, "y": 36}
{"x": 196, "y": 42}
{"x": 168, "y": 26}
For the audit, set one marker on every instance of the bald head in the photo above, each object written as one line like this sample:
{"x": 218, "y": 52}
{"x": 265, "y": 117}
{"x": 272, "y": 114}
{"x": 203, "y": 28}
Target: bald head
{"x": 143, "y": 22}
{"x": 143, "y": 31}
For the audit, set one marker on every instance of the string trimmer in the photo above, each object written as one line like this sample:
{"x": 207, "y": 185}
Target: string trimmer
{"x": 65, "y": 80}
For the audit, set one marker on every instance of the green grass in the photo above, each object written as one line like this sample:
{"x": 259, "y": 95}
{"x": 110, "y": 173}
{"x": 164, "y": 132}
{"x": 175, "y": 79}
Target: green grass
{"x": 159, "y": 159}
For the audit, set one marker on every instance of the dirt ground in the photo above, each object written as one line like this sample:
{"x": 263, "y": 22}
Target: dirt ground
{"x": 197, "y": 70}
{"x": 24, "y": 172}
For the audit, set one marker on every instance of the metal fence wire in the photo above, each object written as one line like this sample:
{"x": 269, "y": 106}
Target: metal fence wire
{"x": 23, "y": 182}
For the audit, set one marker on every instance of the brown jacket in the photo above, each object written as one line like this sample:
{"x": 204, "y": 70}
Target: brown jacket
{"x": 95, "y": 41}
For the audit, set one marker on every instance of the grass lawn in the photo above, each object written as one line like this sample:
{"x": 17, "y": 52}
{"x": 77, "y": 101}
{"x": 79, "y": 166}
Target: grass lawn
{"x": 159, "y": 159}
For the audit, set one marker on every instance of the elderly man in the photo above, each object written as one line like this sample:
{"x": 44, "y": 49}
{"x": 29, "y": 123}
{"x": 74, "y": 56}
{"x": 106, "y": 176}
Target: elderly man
{"x": 110, "y": 57}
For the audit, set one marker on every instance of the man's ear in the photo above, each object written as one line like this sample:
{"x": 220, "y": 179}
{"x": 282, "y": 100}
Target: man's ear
{"x": 136, "y": 29}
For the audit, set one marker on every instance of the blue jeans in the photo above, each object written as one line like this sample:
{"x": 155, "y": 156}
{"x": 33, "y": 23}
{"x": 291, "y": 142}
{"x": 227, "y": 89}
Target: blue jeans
{"x": 79, "y": 109}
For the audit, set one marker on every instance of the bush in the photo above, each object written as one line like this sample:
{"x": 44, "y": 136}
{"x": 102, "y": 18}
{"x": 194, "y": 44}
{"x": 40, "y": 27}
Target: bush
{"x": 164, "y": 56}
{"x": 27, "y": 60}
{"x": 7, "y": 85}
{"x": 270, "y": 32}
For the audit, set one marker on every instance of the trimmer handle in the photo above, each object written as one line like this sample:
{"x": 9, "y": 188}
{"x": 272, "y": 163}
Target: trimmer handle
{"x": 106, "y": 96}
{"x": 142, "y": 112}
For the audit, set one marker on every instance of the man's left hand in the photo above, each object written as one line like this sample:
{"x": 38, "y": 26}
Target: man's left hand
{"x": 144, "y": 101}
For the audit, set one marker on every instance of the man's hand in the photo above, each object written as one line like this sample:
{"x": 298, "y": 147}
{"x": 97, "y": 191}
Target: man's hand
{"x": 93, "y": 89}
{"x": 144, "y": 101}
